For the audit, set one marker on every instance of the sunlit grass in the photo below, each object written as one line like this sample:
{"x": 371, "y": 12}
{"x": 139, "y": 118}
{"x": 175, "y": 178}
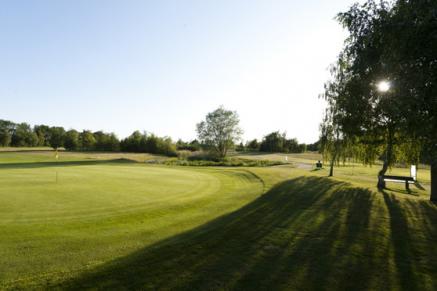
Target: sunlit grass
{"x": 90, "y": 221}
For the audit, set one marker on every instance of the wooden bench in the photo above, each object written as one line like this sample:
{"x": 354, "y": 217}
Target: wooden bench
{"x": 403, "y": 179}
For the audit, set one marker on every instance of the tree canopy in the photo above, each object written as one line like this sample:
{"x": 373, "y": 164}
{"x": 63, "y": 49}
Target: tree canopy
{"x": 395, "y": 43}
{"x": 220, "y": 130}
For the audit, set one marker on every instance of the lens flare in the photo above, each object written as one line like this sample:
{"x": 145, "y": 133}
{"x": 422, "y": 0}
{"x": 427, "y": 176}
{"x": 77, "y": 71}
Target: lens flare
{"x": 383, "y": 86}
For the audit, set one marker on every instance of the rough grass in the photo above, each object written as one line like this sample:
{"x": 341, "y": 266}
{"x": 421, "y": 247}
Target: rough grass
{"x": 230, "y": 162}
{"x": 111, "y": 225}
{"x": 32, "y": 155}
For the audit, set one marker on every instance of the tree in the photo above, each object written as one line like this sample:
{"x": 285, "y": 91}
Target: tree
{"x": 273, "y": 142}
{"x": 113, "y": 143}
{"x": 43, "y": 133}
{"x": 5, "y": 138}
{"x": 253, "y": 145}
{"x": 57, "y": 135}
{"x": 333, "y": 139}
{"x": 165, "y": 146}
{"x": 149, "y": 143}
{"x": 330, "y": 140}
{"x": 397, "y": 43}
{"x": 220, "y": 130}
{"x": 87, "y": 140}
{"x": 71, "y": 141}
{"x": 134, "y": 142}
{"x": 278, "y": 142}
{"x": 23, "y": 136}
{"x": 314, "y": 147}
{"x": 6, "y": 130}
{"x": 240, "y": 147}
{"x": 194, "y": 145}
{"x": 412, "y": 45}
{"x": 106, "y": 141}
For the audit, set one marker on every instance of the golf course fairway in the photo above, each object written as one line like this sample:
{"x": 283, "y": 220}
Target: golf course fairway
{"x": 89, "y": 222}
{"x": 57, "y": 220}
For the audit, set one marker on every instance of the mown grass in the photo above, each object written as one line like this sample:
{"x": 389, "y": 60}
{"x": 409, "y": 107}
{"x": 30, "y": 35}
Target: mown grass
{"x": 54, "y": 229}
{"x": 111, "y": 225}
{"x": 307, "y": 233}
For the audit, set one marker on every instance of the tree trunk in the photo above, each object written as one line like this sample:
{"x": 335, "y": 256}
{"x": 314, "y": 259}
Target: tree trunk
{"x": 335, "y": 154}
{"x": 387, "y": 160}
{"x": 381, "y": 182}
{"x": 434, "y": 180}
{"x": 331, "y": 168}
{"x": 331, "y": 165}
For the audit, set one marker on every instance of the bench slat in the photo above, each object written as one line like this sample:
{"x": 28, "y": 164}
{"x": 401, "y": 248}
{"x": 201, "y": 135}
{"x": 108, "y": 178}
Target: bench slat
{"x": 399, "y": 181}
{"x": 398, "y": 178}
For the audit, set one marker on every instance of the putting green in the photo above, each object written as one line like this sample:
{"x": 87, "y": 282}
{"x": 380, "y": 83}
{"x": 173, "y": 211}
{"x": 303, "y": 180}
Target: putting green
{"x": 57, "y": 221}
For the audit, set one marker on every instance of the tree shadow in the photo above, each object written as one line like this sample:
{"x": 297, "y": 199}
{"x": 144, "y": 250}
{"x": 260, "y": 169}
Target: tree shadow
{"x": 307, "y": 233}
{"x": 400, "y": 191}
{"x": 33, "y": 165}
{"x": 28, "y": 151}
{"x": 413, "y": 231}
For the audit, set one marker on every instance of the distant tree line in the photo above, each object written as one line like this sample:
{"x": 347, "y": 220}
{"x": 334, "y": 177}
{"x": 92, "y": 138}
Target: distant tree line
{"x": 277, "y": 142}
{"x": 23, "y": 135}
{"x": 148, "y": 143}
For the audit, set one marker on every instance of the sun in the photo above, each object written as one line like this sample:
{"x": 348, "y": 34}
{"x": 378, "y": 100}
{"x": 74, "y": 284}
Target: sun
{"x": 383, "y": 86}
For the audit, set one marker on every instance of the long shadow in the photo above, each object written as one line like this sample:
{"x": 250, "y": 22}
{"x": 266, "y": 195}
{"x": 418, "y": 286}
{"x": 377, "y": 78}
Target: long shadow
{"x": 26, "y": 151}
{"x": 32, "y": 165}
{"x": 413, "y": 231}
{"x": 308, "y": 233}
{"x": 401, "y": 241}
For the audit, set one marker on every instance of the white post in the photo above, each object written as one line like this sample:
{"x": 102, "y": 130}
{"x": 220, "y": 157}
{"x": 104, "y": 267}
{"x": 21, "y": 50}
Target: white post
{"x": 413, "y": 172}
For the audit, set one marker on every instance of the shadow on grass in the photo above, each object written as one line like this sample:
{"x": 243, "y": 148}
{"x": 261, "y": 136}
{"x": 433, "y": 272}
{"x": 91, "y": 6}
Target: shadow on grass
{"x": 413, "y": 230}
{"x": 419, "y": 186}
{"x": 32, "y": 165}
{"x": 308, "y": 233}
{"x": 401, "y": 191}
{"x": 26, "y": 151}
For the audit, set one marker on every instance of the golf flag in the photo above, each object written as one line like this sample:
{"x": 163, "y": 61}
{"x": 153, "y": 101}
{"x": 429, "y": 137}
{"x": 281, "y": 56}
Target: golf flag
{"x": 56, "y": 155}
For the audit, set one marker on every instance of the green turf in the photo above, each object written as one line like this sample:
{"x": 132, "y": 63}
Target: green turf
{"x": 117, "y": 225}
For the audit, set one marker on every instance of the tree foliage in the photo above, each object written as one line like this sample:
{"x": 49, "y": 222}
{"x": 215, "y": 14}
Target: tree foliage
{"x": 71, "y": 141}
{"x": 276, "y": 142}
{"x": 394, "y": 42}
{"x": 23, "y": 135}
{"x": 220, "y": 131}
{"x": 148, "y": 143}
{"x": 57, "y": 135}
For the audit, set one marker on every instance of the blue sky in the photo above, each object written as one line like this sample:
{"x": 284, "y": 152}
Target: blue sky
{"x": 160, "y": 66}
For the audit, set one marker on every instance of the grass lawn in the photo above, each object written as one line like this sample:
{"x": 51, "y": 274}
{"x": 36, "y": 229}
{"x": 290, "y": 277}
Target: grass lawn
{"x": 108, "y": 224}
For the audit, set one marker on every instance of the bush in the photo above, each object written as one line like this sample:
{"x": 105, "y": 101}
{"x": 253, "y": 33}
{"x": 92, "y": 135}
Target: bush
{"x": 184, "y": 155}
{"x": 230, "y": 162}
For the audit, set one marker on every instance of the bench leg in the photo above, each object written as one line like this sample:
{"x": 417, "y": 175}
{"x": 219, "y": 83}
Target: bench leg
{"x": 407, "y": 186}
